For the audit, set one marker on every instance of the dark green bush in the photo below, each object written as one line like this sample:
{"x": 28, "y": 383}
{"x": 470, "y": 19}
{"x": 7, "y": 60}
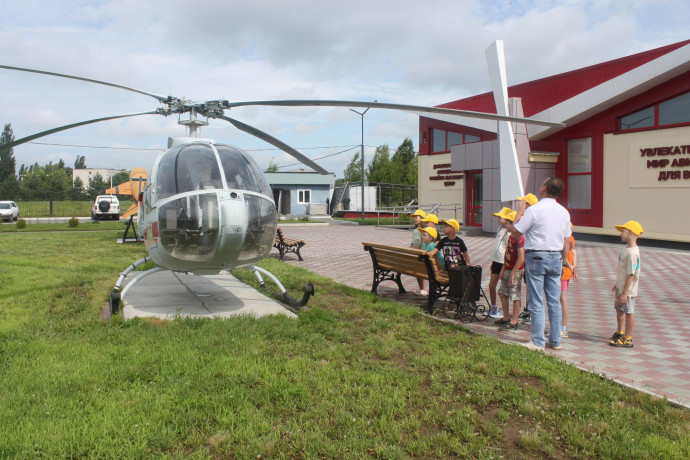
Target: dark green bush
{"x": 73, "y": 222}
{"x": 21, "y": 223}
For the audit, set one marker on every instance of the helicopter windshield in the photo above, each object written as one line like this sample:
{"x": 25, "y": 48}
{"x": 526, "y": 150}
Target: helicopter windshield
{"x": 241, "y": 172}
{"x": 192, "y": 167}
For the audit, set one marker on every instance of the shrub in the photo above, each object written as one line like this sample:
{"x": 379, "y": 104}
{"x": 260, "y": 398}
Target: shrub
{"x": 305, "y": 219}
{"x": 73, "y": 222}
{"x": 21, "y": 223}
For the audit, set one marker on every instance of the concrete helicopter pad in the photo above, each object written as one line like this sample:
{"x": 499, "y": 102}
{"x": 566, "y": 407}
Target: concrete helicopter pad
{"x": 169, "y": 295}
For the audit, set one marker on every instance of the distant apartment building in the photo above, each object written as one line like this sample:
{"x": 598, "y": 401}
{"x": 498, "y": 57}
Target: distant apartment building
{"x": 86, "y": 174}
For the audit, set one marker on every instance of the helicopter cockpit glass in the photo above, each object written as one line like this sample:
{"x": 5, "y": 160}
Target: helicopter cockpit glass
{"x": 241, "y": 172}
{"x": 192, "y": 167}
{"x": 189, "y": 227}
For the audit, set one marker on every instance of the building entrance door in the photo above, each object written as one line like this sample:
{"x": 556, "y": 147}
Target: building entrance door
{"x": 473, "y": 198}
{"x": 282, "y": 200}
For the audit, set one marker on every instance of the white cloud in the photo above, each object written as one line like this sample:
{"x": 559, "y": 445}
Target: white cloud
{"x": 404, "y": 51}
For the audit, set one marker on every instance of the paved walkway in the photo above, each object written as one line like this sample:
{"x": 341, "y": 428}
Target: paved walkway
{"x": 660, "y": 361}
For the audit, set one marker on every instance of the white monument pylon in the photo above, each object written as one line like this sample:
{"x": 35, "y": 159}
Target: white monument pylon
{"x": 511, "y": 180}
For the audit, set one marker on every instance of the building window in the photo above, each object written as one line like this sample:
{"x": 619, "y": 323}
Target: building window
{"x": 438, "y": 140}
{"x": 580, "y": 173}
{"x": 441, "y": 140}
{"x": 303, "y": 196}
{"x": 675, "y": 111}
{"x": 453, "y": 139}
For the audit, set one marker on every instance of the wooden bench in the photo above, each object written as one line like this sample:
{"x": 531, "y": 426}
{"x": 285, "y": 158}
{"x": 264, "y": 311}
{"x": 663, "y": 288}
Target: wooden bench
{"x": 285, "y": 245}
{"x": 392, "y": 261}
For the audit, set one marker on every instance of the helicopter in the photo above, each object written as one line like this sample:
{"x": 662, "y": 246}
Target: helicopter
{"x": 207, "y": 207}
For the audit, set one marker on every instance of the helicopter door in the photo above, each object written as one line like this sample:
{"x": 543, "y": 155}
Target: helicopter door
{"x": 284, "y": 204}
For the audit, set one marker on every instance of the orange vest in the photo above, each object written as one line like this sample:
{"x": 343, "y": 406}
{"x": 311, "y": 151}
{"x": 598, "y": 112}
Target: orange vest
{"x": 567, "y": 272}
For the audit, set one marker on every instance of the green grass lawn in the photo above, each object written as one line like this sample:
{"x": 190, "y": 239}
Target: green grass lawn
{"x": 356, "y": 376}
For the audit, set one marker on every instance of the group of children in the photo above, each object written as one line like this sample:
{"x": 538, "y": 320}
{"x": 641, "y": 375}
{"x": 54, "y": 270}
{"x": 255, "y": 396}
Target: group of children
{"x": 449, "y": 251}
{"x": 508, "y": 267}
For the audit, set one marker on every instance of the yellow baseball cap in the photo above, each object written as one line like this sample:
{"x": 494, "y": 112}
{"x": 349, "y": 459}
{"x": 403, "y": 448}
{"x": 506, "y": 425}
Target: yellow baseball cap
{"x": 453, "y": 223}
{"x": 430, "y": 230}
{"x": 631, "y": 225}
{"x": 530, "y": 198}
{"x": 419, "y": 213}
{"x": 431, "y": 218}
{"x": 511, "y": 216}
{"x": 503, "y": 212}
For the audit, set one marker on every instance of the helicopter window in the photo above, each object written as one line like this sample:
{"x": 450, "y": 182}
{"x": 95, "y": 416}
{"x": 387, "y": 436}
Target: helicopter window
{"x": 240, "y": 171}
{"x": 193, "y": 167}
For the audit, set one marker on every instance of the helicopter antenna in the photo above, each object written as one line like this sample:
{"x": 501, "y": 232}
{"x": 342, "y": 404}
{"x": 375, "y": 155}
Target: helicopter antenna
{"x": 192, "y": 123}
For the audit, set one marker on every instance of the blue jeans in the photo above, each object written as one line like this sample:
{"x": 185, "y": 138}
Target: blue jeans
{"x": 544, "y": 279}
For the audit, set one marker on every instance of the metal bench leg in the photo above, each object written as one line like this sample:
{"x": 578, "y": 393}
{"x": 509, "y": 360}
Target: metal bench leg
{"x": 401, "y": 289}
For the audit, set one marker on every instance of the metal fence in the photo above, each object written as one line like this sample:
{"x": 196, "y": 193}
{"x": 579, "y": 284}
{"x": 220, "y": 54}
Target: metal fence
{"x": 400, "y": 214}
{"x": 50, "y": 208}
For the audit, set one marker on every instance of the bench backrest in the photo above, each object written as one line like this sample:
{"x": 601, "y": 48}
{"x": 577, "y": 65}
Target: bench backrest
{"x": 409, "y": 261}
{"x": 280, "y": 236}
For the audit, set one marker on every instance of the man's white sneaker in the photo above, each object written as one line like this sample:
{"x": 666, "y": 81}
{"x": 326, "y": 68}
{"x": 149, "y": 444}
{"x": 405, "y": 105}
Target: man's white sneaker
{"x": 421, "y": 292}
{"x": 532, "y": 346}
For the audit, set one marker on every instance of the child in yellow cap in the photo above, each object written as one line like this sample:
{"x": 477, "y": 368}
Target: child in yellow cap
{"x": 431, "y": 221}
{"x": 627, "y": 279}
{"x": 417, "y": 217}
{"x": 416, "y": 243}
{"x": 452, "y": 247}
{"x": 498, "y": 250}
{"x": 429, "y": 237}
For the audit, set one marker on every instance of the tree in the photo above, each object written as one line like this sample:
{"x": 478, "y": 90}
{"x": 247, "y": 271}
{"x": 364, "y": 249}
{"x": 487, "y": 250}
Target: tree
{"x": 379, "y": 169}
{"x": 58, "y": 184}
{"x": 7, "y": 162}
{"x": 353, "y": 172}
{"x": 80, "y": 162}
{"x": 272, "y": 166}
{"x": 35, "y": 184}
{"x": 78, "y": 193}
{"x": 404, "y": 162}
{"x": 120, "y": 178}
{"x": 96, "y": 186}
{"x": 9, "y": 189}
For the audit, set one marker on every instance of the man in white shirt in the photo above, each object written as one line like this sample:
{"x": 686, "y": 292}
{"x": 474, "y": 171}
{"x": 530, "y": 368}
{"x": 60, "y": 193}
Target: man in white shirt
{"x": 546, "y": 227}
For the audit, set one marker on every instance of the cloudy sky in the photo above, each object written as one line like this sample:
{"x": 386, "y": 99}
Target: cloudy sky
{"x": 410, "y": 52}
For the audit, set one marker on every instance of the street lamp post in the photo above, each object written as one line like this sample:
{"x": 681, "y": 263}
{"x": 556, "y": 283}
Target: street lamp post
{"x": 362, "y": 153}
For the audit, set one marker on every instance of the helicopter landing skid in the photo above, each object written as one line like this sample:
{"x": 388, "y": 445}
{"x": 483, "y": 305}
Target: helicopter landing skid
{"x": 293, "y": 304}
{"x": 116, "y": 296}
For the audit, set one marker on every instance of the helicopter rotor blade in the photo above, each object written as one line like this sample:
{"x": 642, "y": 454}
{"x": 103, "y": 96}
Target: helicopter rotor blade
{"x": 275, "y": 142}
{"x": 159, "y": 97}
{"x": 403, "y": 107}
{"x": 70, "y": 126}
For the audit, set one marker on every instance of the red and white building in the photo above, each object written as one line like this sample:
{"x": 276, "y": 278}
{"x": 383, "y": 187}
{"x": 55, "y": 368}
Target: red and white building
{"x": 623, "y": 154}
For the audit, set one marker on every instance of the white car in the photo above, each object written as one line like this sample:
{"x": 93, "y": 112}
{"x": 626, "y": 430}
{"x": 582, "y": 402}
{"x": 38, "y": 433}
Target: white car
{"x": 9, "y": 210}
{"x": 106, "y": 207}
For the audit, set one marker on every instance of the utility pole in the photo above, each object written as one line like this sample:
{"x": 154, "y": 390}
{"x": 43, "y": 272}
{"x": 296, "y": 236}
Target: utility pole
{"x": 362, "y": 153}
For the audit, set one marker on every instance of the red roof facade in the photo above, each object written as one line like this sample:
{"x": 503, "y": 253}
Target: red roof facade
{"x": 539, "y": 95}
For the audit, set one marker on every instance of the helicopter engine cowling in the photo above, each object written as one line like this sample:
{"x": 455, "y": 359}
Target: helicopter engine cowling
{"x": 207, "y": 208}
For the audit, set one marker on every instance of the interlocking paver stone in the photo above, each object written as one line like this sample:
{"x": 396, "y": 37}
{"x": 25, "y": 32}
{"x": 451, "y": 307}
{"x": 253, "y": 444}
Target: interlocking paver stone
{"x": 658, "y": 363}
